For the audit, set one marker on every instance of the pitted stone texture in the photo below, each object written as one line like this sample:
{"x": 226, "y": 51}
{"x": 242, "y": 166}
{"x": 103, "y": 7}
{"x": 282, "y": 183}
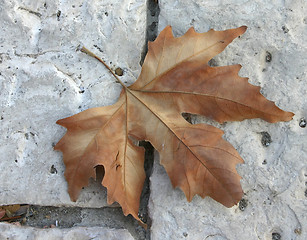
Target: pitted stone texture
{"x": 267, "y": 212}
{"x": 8, "y": 231}
{"x": 44, "y": 77}
{"x": 272, "y": 53}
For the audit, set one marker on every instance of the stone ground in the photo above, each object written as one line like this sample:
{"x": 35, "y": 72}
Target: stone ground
{"x": 44, "y": 77}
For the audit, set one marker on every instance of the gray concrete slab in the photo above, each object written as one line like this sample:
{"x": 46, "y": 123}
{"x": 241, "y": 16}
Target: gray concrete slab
{"x": 272, "y": 53}
{"x": 44, "y": 77}
{"x": 9, "y": 231}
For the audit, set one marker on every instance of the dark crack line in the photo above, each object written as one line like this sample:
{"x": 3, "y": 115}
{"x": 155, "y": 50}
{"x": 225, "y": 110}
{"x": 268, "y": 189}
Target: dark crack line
{"x": 152, "y": 20}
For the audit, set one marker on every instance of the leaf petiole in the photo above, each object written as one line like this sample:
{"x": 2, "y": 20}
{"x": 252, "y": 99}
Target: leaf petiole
{"x": 88, "y": 52}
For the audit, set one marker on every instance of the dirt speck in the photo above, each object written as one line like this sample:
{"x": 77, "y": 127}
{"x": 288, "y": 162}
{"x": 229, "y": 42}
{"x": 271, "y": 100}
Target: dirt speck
{"x": 119, "y": 71}
{"x": 213, "y": 63}
{"x": 298, "y": 231}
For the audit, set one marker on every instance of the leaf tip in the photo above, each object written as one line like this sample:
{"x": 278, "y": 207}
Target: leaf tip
{"x": 73, "y": 194}
{"x": 168, "y": 29}
{"x": 235, "y": 200}
{"x": 142, "y": 224}
{"x": 60, "y": 122}
{"x": 243, "y": 28}
{"x": 191, "y": 31}
{"x": 289, "y": 116}
{"x": 56, "y": 147}
{"x": 283, "y": 116}
{"x": 73, "y": 199}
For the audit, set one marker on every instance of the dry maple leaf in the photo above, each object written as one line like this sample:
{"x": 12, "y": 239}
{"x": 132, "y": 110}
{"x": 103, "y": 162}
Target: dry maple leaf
{"x": 2, "y": 213}
{"x": 175, "y": 78}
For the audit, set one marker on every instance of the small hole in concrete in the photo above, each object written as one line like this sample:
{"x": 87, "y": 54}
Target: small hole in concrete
{"x": 53, "y": 170}
{"x": 58, "y": 14}
{"x": 266, "y": 139}
{"x": 268, "y": 57}
{"x": 243, "y": 204}
{"x": 302, "y": 123}
{"x": 285, "y": 29}
{"x": 187, "y": 117}
{"x": 276, "y": 236}
{"x": 81, "y": 90}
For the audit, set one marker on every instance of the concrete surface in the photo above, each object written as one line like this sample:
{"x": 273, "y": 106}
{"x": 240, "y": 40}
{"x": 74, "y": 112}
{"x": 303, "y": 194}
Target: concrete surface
{"x": 45, "y": 78}
{"x": 272, "y": 53}
{"x": 9, "y": 231}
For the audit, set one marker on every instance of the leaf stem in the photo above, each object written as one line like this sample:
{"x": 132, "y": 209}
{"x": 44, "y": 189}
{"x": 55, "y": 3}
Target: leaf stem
{"x": 9, "y": 218}
{"x": 88, "y": 52}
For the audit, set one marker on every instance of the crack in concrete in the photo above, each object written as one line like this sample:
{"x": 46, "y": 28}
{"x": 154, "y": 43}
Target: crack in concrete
{"x": 298, "y": 221}
{"x": 65, "y": 73}
{"x": 40, "y": 216}
{"x": 68, "y": 217}
{"x": 35, "y": 55}
{"x": 152, "y": 20}
{"x": 31, "y": 11}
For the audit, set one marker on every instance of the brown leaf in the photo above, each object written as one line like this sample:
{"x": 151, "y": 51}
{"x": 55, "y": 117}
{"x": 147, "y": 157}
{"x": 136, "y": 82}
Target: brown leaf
{"x": 2, "y": 213}
{"x": 11, "y": 209}
{"x": 216, "y": 92}
{"x": 99, "y": 136}
{"x": 175, "y": 78}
